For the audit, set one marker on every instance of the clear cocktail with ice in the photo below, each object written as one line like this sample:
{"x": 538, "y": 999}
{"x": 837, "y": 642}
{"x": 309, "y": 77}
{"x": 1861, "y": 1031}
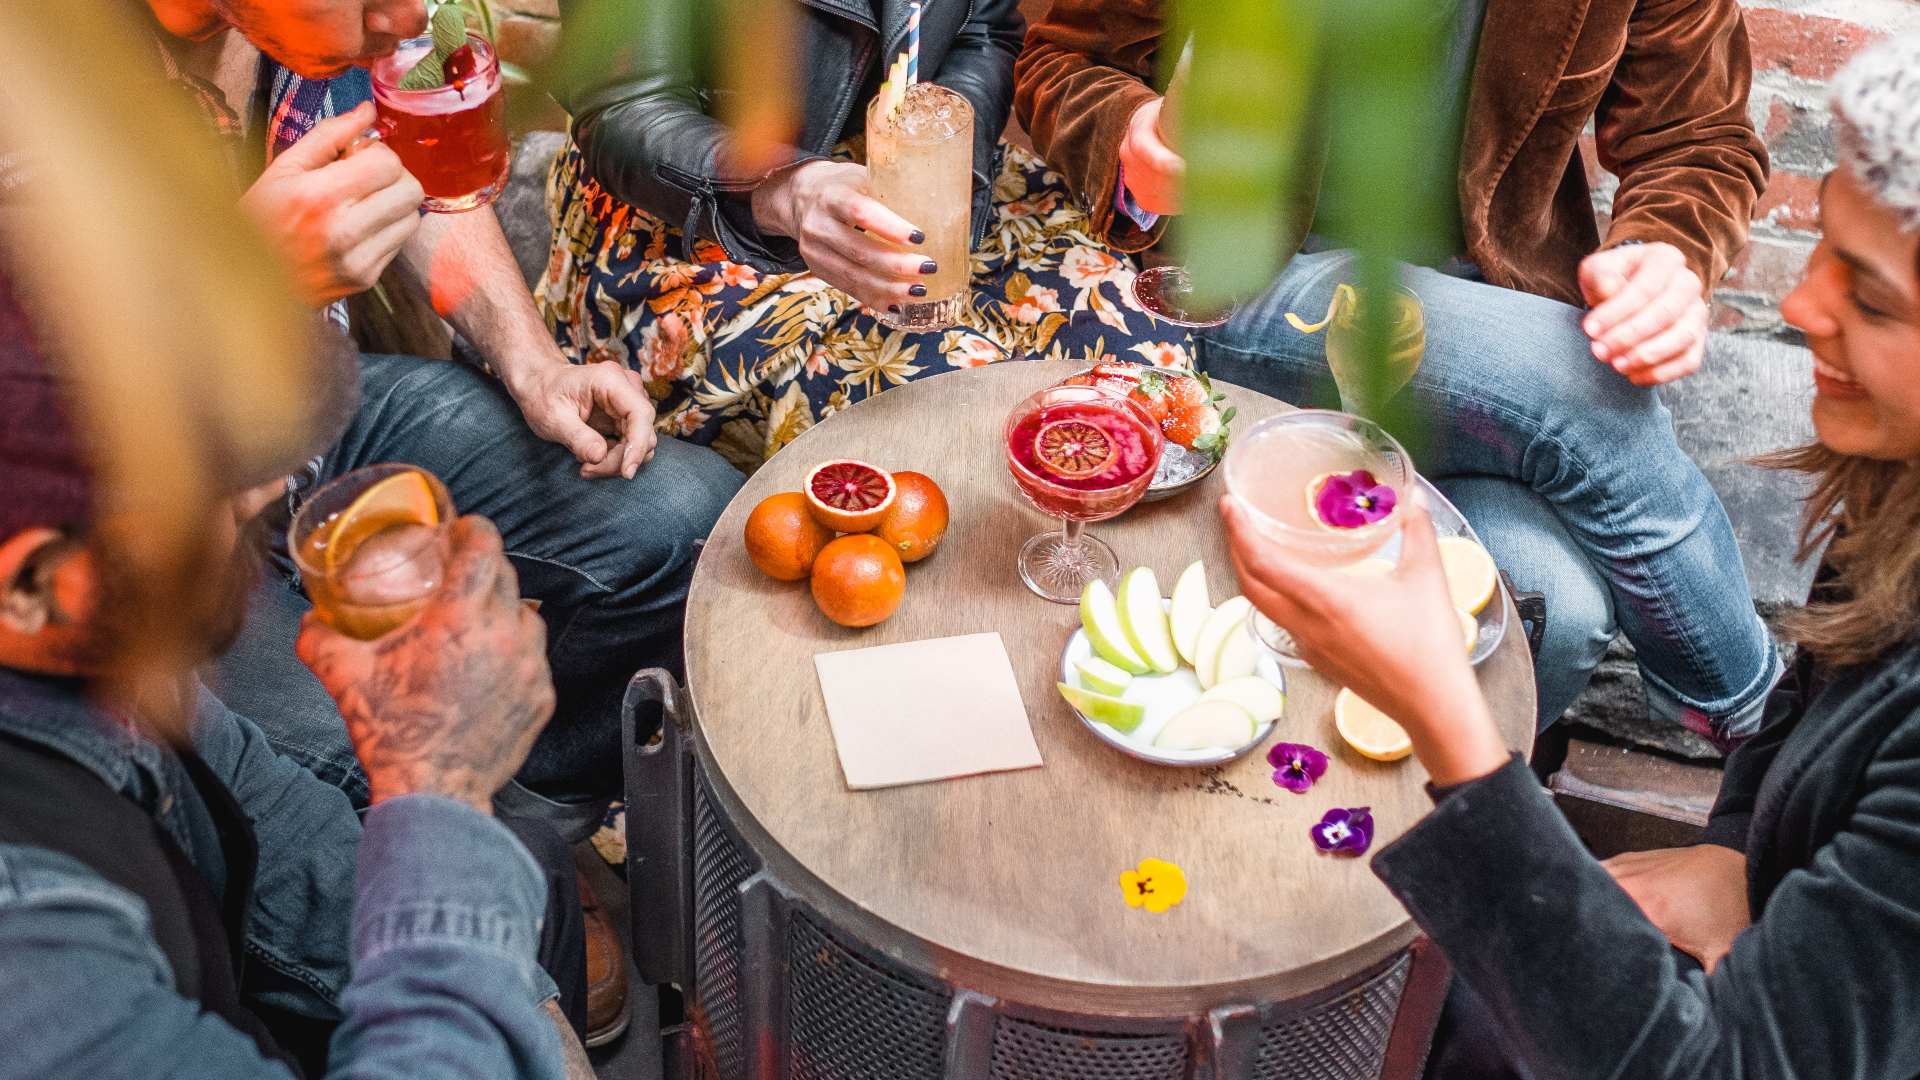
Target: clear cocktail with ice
{"x": 920, "y": 164}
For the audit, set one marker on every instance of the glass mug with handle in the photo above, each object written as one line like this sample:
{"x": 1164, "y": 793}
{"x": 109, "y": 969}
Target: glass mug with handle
{"x": 452, "y": 138}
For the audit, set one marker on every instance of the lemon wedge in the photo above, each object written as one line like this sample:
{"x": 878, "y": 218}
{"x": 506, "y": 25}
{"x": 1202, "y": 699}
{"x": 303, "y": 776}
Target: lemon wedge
{"x": 1469, "y": 629}
{"x": 1369, "y": 731}
{"x": 1471, "y": 575}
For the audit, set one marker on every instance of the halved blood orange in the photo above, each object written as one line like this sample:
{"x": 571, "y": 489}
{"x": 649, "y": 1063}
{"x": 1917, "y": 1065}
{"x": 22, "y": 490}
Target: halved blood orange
{"x": 404, "y": 498}
{"x": 1071, "y": 449}
{"x": 849, "y": 496}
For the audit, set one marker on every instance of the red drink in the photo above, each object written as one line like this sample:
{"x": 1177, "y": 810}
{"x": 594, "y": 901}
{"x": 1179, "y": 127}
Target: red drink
{"x": 1078, "y": 453}
{"x": 453, "y": 138}
{"x": 1086, "y": 460}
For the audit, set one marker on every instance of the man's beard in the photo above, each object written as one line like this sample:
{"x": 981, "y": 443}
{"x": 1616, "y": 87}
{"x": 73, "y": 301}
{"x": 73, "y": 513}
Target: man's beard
{"x": 218, "y": 612}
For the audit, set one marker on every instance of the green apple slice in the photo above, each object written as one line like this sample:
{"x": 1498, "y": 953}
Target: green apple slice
{"x": 1208, "y": 725}
{"x": 1228, "y": 619}
{"x": 1144, "y": 616}
{"x": 1121, "y": 716}
{"x": 1259, "y": 697}
{"x": 1101, "y": 677}
{"x": 1191, "y": 606}
{"x": 1101, "y": 618}
{"x": 1238, "y": 658}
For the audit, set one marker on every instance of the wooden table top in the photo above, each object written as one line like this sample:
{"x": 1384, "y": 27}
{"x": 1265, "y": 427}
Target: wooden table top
{"x": 1012, "y": 879}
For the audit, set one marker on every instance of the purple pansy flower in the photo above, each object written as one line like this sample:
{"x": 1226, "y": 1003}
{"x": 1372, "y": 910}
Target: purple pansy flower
{"x": 1296, "y": 766}
{"x": 1345, "y": 830}
{"x": 1351, "y": 500}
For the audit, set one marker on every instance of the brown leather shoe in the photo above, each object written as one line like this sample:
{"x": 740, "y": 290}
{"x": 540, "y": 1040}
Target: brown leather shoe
{"x": 606, "y": 971}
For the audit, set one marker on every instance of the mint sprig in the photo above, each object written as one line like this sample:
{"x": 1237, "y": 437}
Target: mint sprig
{"x": 449, "y": 33}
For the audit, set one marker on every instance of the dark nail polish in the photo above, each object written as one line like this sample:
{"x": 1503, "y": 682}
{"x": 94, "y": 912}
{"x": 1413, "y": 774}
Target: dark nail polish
{"x": 929, "y": 267}
{"x": 895, "y": 308}
{"x": 917, "y": 290}
{"x": 918, "y": 237}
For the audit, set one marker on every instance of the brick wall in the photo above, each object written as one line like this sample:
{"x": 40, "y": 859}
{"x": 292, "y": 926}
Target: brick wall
{"x": 1798, "y": 45}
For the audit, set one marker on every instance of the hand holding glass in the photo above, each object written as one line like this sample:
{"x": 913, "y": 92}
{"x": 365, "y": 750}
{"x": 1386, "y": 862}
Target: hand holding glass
{"x": 371, "y": 546}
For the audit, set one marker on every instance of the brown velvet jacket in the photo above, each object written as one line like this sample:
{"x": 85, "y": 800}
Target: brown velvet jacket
{"x": 1665, "y": 81}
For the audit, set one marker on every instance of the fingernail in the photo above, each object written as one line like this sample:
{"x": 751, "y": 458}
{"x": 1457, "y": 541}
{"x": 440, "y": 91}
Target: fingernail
{"x": 1599, "y": 351}
{"x": 919, "y": 237}
{"x": 895, "y": 308}
{"x": 917, "y": 290}
{"x": 929, "y": 267}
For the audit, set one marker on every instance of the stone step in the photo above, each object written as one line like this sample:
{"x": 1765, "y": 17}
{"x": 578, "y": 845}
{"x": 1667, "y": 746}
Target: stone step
{"x": 1619, "y": 798}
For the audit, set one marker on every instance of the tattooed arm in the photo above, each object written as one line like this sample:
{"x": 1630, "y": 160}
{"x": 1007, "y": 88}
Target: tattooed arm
{"x": 450, "y": 703}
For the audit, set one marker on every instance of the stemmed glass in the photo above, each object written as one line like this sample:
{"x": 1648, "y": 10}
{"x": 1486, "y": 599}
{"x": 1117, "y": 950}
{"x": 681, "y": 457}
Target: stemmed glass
{"x": 1165, "y": 291}
{"x": 1325, "y": 485}
{"x": 1347, "y": 350}
{"x": 1081, "y": 454}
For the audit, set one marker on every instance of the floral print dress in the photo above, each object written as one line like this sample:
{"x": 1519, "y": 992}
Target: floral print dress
{"x": 746, "y": 361}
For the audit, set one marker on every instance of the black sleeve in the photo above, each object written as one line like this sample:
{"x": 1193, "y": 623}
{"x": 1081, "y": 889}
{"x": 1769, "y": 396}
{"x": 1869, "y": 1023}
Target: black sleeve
{"x": 1584, "y": 987}
{"x": 979, "y": 67}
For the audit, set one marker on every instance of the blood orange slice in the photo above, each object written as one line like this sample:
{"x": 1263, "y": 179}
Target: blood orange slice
{"x": 1071, "y": 449}
{"x": 849, "y": 496}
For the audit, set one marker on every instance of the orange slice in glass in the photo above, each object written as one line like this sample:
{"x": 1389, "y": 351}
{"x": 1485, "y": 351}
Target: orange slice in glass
{"x": 405, "y": 498}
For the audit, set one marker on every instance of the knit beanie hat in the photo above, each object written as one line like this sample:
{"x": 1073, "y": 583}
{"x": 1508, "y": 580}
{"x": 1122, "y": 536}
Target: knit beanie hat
{"x": 44, "y": 480}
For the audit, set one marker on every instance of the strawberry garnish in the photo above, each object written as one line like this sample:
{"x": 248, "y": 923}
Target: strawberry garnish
{"x": 1154, "y": 395}
{"x": 1194, "y": 419}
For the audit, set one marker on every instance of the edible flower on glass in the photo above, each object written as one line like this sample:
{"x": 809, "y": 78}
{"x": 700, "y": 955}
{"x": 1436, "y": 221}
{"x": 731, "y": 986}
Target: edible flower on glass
{"x": 1351, "y": 500}
{"x": 1344, "y": 831}
{"x": 1296, "y": 766}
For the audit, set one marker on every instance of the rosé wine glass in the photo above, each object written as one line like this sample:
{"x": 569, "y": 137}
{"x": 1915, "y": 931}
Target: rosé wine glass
{"x": 1081, "y": 454}
{"x": 452, "y": 138}
{"x": 1324, "y": 485}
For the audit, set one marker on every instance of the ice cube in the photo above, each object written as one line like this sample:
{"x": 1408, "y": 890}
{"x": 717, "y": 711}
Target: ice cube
{"x": 395, "y": 565}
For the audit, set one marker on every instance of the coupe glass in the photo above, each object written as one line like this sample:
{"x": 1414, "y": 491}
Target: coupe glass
{"x": 1280, "y": 470}
{"x": 371, "y": 546}
{"x": 1081, "y": 454}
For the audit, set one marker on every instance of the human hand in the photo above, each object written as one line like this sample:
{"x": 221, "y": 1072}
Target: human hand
{"x": 337, "y": 220}
{"x": 1697, "y": 895}
{"x": 1153, "y": 170}
{"x": 845, "y": 235}
{"x": 600, "y": 412}
{"x": 449, "y": 703}
{"x": 1649, "y": 317}
{"x": 1394, "y": 640}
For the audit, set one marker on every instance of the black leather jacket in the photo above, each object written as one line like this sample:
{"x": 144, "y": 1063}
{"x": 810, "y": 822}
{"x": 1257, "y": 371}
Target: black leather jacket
{"x": 646, "y": 135}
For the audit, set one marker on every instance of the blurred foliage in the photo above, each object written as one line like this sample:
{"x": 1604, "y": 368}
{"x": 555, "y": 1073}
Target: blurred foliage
{"x": 1271, "y": 82}
{"x": 186, "y": 349}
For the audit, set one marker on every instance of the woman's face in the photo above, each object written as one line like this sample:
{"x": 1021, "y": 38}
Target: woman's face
{"x": 1859, "y": 306}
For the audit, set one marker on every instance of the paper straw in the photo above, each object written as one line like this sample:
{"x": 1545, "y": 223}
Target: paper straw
{"x": 913, "y": 44}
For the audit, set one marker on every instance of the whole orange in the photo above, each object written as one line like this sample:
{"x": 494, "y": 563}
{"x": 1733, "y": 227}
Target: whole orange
{"x": 858, "y": 580}
{"x": 782, "y": 537}
{"x": 918, "y": 518}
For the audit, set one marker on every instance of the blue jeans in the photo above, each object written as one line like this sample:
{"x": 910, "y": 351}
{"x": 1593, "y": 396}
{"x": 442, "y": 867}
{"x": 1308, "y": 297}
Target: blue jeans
{"x": 609, "y": 560}
{"x": 1509, "y": 390}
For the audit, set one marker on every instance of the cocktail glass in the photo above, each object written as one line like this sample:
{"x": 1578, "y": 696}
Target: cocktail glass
{"x": 920, "y": 165}
{"x": 1311, "y": 481}
{"x": 453, "y": 138}
{"x": 1166, "y": 293}
{"x": 1081, "y": 454}
{"x": 371, "y": 546}
{"x": 1347, "y": 356}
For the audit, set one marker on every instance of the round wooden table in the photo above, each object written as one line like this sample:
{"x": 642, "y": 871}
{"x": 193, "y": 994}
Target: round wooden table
{"x": 1008, "y": 883}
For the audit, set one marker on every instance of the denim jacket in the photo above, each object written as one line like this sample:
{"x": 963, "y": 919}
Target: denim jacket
{"x": 416, "y": 929}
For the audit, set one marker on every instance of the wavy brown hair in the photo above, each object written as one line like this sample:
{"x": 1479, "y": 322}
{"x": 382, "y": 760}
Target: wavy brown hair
{"x": 1866, "y": 513}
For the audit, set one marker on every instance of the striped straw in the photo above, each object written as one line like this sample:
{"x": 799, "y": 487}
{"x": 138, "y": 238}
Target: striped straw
{"x": 913, "y": 44}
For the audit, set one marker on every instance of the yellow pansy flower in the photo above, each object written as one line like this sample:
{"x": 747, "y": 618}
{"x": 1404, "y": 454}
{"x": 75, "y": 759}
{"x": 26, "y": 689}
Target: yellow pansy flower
{"x": 1155, "y": 885}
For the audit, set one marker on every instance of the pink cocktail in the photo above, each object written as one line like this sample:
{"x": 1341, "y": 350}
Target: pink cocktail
{"x": 452, "y": 138}
{"x": 1081, "y": 454}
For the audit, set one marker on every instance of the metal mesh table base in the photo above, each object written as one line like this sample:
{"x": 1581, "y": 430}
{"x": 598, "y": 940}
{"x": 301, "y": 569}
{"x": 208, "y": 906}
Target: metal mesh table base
{"x": 778, "y": 991}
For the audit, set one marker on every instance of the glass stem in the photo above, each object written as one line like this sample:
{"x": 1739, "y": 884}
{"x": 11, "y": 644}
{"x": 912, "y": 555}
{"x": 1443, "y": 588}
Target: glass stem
{"x": 1070, "y": 534}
